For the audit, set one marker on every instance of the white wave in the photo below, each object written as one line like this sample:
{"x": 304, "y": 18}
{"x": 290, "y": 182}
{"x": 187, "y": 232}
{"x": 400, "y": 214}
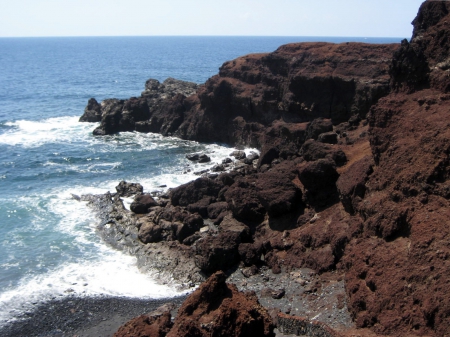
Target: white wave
{"x": 114, "y": 274}
{"x": 52, "y": 130}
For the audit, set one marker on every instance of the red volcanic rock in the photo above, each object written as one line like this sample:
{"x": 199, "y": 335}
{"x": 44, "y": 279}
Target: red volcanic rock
{"x": 312, "y": 151}
{"x": 219, "y": 309}
{"x": 219, "y": 252}
{"x": 155, "y": 324}
{"x": 296, "y": 83}
{"x": 243, "y": 201}
{"x": 423, "y": 62}
{"x": 352, "y": 183}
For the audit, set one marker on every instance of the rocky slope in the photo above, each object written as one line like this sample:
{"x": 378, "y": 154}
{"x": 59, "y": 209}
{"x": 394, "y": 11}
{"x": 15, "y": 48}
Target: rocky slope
{"x": 352, "y": 183}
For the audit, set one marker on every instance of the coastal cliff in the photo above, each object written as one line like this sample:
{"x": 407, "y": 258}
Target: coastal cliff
{"x": 352, "y": 183}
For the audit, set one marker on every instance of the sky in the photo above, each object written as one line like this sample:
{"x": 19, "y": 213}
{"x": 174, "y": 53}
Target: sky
{"x": 354, "y": 18}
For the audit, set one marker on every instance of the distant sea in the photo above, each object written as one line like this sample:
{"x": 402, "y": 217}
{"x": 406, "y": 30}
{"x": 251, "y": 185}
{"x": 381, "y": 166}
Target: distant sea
{"x": 48, "y": 244}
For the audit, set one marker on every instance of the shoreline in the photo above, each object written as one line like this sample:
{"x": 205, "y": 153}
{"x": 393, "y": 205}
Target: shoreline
{"x": 83, "y": 316}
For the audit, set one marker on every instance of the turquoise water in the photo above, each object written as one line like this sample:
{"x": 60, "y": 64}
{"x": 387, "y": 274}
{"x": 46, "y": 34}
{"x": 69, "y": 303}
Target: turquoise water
{"x": 48, "y": 244}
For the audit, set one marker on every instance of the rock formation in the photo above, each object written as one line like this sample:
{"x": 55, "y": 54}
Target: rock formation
{"x": 214, "y": 309}
{"x": 353, "y": 181}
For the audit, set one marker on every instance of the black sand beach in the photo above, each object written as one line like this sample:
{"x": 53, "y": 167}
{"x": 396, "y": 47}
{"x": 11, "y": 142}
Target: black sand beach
{"x": 82, "y": 316}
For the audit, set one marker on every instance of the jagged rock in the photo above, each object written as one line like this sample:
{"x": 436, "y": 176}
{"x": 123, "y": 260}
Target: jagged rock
{"x": 154, "y": 324}
{"x": 92, "y": 112}
{"x": 319, "y": 178}
{"x": 243, "y": 201}
{"x": 125, "y": 189}
{"x": 217, "y": 308}
{"x": 194, "y": 191}
{"x": 142, "y": 202}
{"x": 219, "y": 252}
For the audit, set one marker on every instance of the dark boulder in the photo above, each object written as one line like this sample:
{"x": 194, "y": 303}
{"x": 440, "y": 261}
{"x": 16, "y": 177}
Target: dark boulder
{"x": 317, "y": 127}
{"x": 194, "y": 191}
{"x": 277, "y": 193}
{"x": 217, "y": 252}
{"x": 319, "y": 178}
{"x": 92, "y": 112}
{"x": 142, "y": 203}
{"x": 328, "y": 137}
{"x": 243, "y": 201}
{"x": 313, "y": 150}
{"x": 125, "y": 189}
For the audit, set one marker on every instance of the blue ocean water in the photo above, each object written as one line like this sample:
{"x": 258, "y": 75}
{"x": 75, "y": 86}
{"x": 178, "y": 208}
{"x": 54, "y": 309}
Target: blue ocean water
{"x": 48, "y": 244}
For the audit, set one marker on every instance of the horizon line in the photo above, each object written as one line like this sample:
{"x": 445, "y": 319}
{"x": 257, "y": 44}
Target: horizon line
{"x": 107, "y": 36}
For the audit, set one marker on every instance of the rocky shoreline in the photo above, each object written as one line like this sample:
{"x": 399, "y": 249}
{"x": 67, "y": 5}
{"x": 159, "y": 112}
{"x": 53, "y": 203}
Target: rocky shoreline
{"x": 341, "y": 220}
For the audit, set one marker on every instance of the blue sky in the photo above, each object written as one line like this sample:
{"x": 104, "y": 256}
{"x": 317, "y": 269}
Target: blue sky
{"x": 365, "y": 18}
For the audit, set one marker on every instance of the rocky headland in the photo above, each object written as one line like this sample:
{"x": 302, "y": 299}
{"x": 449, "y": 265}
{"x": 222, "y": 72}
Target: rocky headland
{"x": 343, "y": 218}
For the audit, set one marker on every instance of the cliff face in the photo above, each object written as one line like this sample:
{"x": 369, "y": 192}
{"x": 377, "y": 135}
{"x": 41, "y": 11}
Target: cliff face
{"x": 295, "y": 84}
{"x": 398, "y": 271}
{"x": 364, "y": 199}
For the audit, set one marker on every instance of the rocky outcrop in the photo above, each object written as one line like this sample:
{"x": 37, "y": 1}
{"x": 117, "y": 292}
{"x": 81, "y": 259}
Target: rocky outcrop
{"x": 357, "y": 198}
{"x": 259, "y": 99}
{"x": 141, "y": 113}
{"x": 218, "y": 308}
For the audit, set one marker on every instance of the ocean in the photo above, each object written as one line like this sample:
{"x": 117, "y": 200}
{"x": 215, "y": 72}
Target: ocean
{"x": 48, "y": 244}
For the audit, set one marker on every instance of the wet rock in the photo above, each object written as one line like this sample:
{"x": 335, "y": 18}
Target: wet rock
{"x": 92, "y": 112}
{"x": 142, "y": 202}
{"x": 125, "y": 189}
{"x": 238, "y": 155}
{"x": 150, "y": 232}
{"x": 203, "y": 158}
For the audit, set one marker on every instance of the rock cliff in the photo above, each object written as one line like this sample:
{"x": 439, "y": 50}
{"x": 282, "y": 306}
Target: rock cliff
{"x": 353, "y": 181}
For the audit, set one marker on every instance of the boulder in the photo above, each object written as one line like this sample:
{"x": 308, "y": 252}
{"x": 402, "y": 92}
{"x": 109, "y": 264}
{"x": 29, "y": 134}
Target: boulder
{"x": 318, "y": 127}
{"x": 313, "y": 150}
{"x": 319, "y": 178}
{"x": 195, "y": 191}
{"x": 142, "y": 202}
{"x": 218, "y": 252}
{"x": 328, "y": 137}
{"x": 125, "y": 189}
{"x": 277, "y": 193}
{"x": 219, "y": 309}
{"x": 243, "y": 201}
